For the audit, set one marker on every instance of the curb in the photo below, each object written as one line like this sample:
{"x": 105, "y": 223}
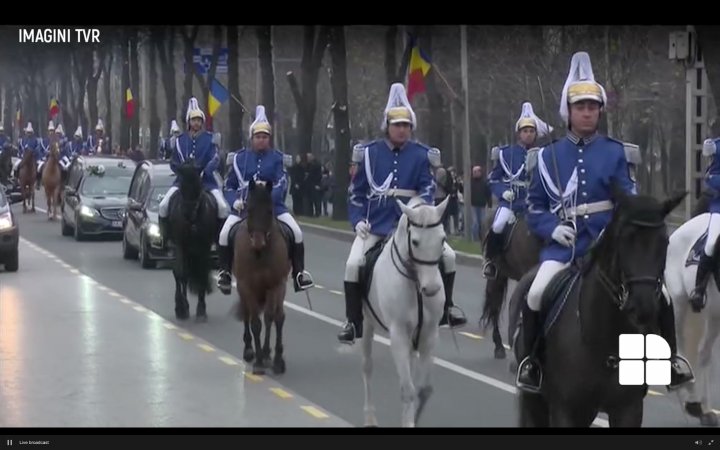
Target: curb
{"x": 466, "y": 259}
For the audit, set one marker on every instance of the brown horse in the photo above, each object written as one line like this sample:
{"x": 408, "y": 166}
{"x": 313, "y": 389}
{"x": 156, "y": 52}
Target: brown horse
{"x": 261, "y": 267}
{"x": 51, "y": 180}
{"x": 28, "y": 177}
{"x": 520, "y": 255}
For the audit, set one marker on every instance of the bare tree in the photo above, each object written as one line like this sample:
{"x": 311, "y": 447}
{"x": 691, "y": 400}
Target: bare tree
{"x": 236, "y": 110}
{"x": 267, "y": 74}
{"x": 153, "y": 106}
{"x": 341, "y": 116}
{"x": 164, "y": 40}
{"x": 134, "y": 86}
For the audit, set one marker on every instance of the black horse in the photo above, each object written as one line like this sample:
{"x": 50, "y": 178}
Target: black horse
{"x": 616, "y": 290}
{"x": 192, "y": 229}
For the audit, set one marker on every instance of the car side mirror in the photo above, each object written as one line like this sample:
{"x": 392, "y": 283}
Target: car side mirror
{"x": 134, "y": 205}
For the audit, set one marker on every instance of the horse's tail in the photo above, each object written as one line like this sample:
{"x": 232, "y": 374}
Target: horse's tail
{"x": 495, "y": 291}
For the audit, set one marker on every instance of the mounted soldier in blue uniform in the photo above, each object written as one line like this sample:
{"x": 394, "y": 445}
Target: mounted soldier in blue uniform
{"x": 44, "y": 145}
{"x": 28, "y": 143}
{"x": 77, "y": 145}
{"x": 508, "y": 181}
{"x": 261, "y": 162}
{"x": 169, "y": 143}
{"x": 391, "y": 167}
{"x": 706, "y": 266}
{"x": 98, "y": 144}
{"x": 570, "y": 204}
{"x": 3, "y": 137}
{"x": 194, "y": 145}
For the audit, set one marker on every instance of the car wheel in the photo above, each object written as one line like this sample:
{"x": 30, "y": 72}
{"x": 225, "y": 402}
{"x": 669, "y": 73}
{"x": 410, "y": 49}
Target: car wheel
{"x": 128, "y": 251}
{"x": 79, "y": 236}
{"x": 12, "y": 263}
{"x": 145, "y": 261}
{"x": 65, "y": 229}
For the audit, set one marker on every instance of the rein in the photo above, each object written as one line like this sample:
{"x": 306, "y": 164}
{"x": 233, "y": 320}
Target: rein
{"x": 619, "y": 289}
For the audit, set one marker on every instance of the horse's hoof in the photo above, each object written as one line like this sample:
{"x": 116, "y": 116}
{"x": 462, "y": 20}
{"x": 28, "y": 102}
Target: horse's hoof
{"x": 258, "y": 368}
{"x": 500, "y": 353}
{"x": 201, "y": 319}
{"x": 709, "y": 419}
{"x": 278, "y": 366}
{"x": 248, "y": 354}
{"x": 182, "y": 314}
{"x": 694, "y": 409}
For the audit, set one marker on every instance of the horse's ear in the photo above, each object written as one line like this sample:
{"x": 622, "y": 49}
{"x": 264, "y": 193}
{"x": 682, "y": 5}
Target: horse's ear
{"x": 404, "y": 208}
{"x": 673, "y": 202}
{"x": 442, "y": 206}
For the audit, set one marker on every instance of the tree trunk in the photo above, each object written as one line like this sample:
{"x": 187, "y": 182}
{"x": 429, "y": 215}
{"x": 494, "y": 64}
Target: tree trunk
{"x": 390, "y": 54}
{"x": 153, "y": 107}
{"x": 708, "y": 38}
{"x": 341, "y": 116}
{"x": 92, "y": 86}
{"x": 306, "y": 100}
{"x": 134, "y": 86}
{"x": 108, "y": 97}
{"x": 435, "y": 99}
{"x": 188, "y": 45}
{"x": 124, "y": 84}
{"x": 8, "y": 111}
{"x": 267, "y": 74}
{"x": 164, "y": 39}
{"x": 236, "y": 111}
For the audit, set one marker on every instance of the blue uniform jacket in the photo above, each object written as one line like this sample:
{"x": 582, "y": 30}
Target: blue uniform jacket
{"x": 259, "y": 166}
{"x": 3, "y": 140}
{"x": 597, "y": 163}
{"x": 31, "y": 144}
{"x": 384, "y": 168}
{"x": 712, "y": 178}
{"x": 44, "y": 147}
{"x": 509, "y": 174}
{"x": 204, "y": 153}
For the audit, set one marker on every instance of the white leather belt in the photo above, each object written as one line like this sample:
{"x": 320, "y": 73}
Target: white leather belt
{"x": 589, "y": 208}
{"x": 401, "y": 193}
{"x": 520, "y": 184}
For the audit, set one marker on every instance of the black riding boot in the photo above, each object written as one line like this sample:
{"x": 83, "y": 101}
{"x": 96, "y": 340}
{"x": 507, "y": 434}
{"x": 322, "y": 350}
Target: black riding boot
{"x": 529, "y": 375}
{"x": 224, "y": 282}
{"x": 38, "y": 179}
{"x": 163, "y": 224}
{"x": 448, "y": 317}
{"x": 680, "y": 370}
{"x": 353, "y": 309}
{"x": 301, "y": 279}
{"x": 493, "y": 247}
{"x": 705, "y": 268}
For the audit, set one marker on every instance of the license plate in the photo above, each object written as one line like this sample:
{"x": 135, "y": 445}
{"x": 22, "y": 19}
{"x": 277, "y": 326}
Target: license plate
{"x": 213, "y": 248}
{"x": 117, "y": 223}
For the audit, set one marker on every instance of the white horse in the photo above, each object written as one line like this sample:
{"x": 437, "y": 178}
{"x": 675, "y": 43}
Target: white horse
{"x": 679, "y": 283}
{"x": 407, "y": 273}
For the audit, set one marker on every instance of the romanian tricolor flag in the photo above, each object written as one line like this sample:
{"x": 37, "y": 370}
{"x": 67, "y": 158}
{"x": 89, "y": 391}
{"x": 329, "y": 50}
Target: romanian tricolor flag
{"x": 418, "y": 69}
{"x": 54, "y": 109}
{"x": 129, "y": 104}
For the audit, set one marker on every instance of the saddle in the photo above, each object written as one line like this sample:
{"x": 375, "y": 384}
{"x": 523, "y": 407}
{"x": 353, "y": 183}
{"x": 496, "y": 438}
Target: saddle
{"x": 696, "y": 250}
{"x": 366, "y": 270}
{"x": 557, "y": 293}
{"x": 508, "y": 235}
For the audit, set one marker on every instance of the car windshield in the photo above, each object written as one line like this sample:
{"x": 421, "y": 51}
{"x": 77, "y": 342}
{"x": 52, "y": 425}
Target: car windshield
{"x": 114, "y": 181}
{"x": 156, "y": 196}
{"x": 3, "y": 200}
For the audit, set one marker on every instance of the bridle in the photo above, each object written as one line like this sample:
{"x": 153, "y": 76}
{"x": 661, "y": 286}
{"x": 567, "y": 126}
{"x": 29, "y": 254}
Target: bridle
{"x": 620, "y": 289}
{"x": 407, "y": 267}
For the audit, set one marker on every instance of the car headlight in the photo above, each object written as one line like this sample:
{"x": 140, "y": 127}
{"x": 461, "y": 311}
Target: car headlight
{"x": 5, "y": 221}
{"x": 88, "y": 211}
{"x": 153, "y": 230}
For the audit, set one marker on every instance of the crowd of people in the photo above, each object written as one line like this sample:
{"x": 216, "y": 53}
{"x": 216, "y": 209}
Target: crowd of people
{"x": 311, "y": 186}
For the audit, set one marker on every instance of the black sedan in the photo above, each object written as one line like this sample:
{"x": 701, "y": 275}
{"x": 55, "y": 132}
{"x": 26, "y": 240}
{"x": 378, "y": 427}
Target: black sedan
{"x": 142, "y": 233}
{"x": 95, "y": 205}
{"x": 9, "y": 235}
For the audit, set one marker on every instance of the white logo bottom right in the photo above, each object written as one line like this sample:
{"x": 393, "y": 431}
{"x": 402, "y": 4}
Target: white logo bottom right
{"x": 644, "y": 359}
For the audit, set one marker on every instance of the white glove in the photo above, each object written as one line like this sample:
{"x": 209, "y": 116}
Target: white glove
{"x": 238, "y": 205}
{"x": 508, "y": 196}
{"x": 362, "y": 229}
{"x": 564, "y": 234}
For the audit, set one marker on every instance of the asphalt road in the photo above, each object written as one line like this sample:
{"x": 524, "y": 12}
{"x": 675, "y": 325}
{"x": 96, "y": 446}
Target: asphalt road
{"x": 472, "y": 389}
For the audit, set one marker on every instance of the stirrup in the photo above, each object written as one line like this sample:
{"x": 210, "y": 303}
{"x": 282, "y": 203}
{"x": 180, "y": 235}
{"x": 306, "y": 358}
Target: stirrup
{"x": 351, "y": 325}
{"x": 224, "y": 288}
{"x": 691, "y": 373}
{"x": 527, "y": 387}
{"x": 307, "y": 278}
{"x": 460, "y": 316}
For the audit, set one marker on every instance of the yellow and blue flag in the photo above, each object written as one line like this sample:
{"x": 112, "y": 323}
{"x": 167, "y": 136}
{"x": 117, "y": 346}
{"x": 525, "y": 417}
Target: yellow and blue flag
{"x": 218, "y": 96}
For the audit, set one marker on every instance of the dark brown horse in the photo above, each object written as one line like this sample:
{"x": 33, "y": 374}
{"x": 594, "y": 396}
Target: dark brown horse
{"x": 51, "y": 179}
{"x": 261, "y": 266}
{"x": 28, "y": 177}
{"x": 520, "y": 255}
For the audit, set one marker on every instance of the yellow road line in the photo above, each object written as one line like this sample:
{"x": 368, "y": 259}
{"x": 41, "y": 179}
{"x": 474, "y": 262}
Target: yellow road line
{"x": 186, "y": 336}
{"x": 253, "y": 377}
{"x": 207, "y": 348}
{"x": 471, "y": 335}
{"x": 169, "y": 326}
{"x": 651, "y": 392}
{"x": 313, "y": 411}
{"x": 319, "y": 287}
{"x": 139, "y": 308}
{"x": 114, "y": 294}
{"x": 124, "y": 300}
{"x": 332, "y": 291}
{"x": 229, "y": 361}
{"x": 281, "y": 393}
